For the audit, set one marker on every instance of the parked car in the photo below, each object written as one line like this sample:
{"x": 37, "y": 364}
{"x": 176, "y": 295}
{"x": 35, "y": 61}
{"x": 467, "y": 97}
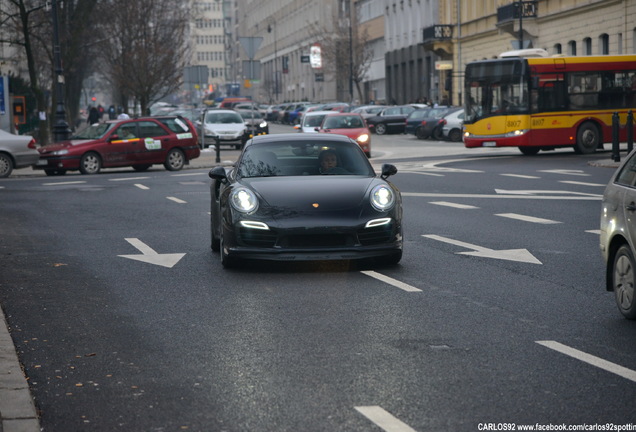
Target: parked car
{"x": 255, "y": 123}
{"x": 452, "y": 125}
{"x": 391, "y": 119}
{"x": 16, "y": 151}
{"x": 351, "y": 125}
{"x": 312, "y": 121}
{"x": 430, "y": 124}
{"x": 278, "y": 202}
{"x": 618, "y": 236}
{"x": 225, "y": 125}
{"x": 140, "y": 143}
{"x": 367, "y": 111}
{"x": 414, "y": 119}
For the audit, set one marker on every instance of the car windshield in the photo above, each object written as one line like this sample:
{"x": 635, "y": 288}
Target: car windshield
{"x": 313, "y": 120}
{"x": 251, "y": 115}
{"x": 342, "y": 122}
{"x": 223, "y": 118}
{"x": 302, "y": 158}
{"x": 94, "y": 131}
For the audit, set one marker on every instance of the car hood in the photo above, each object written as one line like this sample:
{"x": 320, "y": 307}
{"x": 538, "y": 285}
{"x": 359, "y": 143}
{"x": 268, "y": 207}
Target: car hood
{"x": 64, "y": 145}
{"x": 311, "y": 194}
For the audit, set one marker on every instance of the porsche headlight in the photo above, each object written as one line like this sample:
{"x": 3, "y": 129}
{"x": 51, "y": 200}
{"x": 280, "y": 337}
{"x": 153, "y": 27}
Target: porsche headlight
{"x": 382, "y": 198}
{"x": 244, "y": 200}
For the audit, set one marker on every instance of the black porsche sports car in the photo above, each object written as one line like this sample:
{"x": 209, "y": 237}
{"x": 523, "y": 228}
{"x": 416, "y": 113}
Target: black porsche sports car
{"x": 299, "y": 197}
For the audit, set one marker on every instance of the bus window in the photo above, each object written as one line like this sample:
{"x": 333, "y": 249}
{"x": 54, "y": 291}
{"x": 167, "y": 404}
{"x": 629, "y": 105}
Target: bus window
{"x": 552, "y": 92}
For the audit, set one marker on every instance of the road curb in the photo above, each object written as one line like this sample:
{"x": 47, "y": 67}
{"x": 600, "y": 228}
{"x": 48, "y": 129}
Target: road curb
{"x": 17, "y": 409}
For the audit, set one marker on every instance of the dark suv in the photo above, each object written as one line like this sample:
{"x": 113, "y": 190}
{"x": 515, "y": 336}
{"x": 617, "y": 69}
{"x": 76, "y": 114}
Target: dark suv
{"x": 138, "y": 142}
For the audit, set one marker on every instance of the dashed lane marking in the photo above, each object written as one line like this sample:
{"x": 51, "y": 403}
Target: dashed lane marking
{"x": 590, "y": 359}
{"x": 527, "y": 218}
{"x": 391, "y": 281}
{"x": 454, "y": 205}
{"x": 384, "y": 419}
{"x": 140, "y": 186}
{"x": 177, "y": 200}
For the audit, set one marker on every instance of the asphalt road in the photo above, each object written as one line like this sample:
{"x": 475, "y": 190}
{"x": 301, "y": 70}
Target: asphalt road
{"x": 495, "y": 318}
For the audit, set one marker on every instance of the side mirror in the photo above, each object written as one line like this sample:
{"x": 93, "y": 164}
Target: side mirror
{"x": 388, "y": 170}
{"x": 218, "y": 173}
{"x": 113, "y": 138}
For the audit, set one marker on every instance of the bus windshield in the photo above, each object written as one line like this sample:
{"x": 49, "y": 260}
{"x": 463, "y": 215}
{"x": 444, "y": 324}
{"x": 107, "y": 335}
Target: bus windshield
{"x": 496, "y": 88}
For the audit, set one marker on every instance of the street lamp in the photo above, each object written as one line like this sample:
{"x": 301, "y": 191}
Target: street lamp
{"x": 269, "y": 30}
{"x": 61, "y": 130}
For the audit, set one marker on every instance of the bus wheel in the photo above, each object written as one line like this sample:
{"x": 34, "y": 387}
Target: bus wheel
{"x": 588, "y": 138}
{"x": 529, "y": 151}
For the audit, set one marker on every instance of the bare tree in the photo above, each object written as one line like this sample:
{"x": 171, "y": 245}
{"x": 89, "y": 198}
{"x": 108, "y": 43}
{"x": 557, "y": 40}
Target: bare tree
{"x": 143, "y": 49}
{"x": 344, "y": 50}
{"x": 23, "y": 21}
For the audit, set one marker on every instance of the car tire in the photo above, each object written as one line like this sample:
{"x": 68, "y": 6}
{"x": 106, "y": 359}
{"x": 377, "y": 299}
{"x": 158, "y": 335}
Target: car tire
{"x": 588, "y": 138}
{"x": 215, "y": 243}
{"x": 90, "y": 163}
{"x": 437, "y": 134}
{"x": 419, "y": 133}
{"x": 226, "y": 260}
{"x": 6, "y": 165}
{"x": 455, "y": 135}
{"x": 175, "y": 160}
{"x": 141, "y": 168}
{"x": 624, "y": 281}
{"x": 380, "y": 129}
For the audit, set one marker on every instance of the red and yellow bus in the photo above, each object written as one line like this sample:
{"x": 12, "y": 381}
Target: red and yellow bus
{"x": 542, "y": 103}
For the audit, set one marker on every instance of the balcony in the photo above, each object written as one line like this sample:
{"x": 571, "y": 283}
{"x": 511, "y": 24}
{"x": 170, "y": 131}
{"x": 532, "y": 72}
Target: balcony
{"x": 438, "y": 38}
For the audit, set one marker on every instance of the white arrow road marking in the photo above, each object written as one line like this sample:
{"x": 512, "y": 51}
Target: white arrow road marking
{"x": 64, "y": 183}
{"x": 567, "y": 172}
{"x": 590, "y": 359}
{"x": 455, "y": 205}
{"x": 519, "y": 255}
{"x": 582, "y": 183}
{"x": 527, "y": 218}
{"x": 391, "y": 281}
{"x": 535, "y": 192}
{"x": 383, "y": 419}
{"x": 521, "y": 176}
{"x": 148, "y": 255}
{"x": 586, "y": 197}
{"x": 177, "y": 200}
{"x": 128, "y": 178}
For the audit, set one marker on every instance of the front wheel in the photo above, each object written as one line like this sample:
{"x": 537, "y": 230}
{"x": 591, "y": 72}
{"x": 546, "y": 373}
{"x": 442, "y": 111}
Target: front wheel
{"x": 420, "y": 134}
{"x": 380, "y": 128}
{"x": 624, "y": 281}
{"x": 588, "y": 138}
{"x": 6, "y": 165}
{"x": 90, "y": 163}
{"x": 455, "y": 135}
{"x": 175, "y": 160}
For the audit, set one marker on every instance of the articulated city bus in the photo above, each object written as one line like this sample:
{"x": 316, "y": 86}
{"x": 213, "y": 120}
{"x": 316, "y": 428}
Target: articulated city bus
{"x": 542, "y": 103}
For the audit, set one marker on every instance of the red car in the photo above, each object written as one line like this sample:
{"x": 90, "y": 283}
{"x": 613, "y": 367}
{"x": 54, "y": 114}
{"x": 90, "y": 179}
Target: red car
{"x": 139, "y": 142}
{"x": 351, "y": 125}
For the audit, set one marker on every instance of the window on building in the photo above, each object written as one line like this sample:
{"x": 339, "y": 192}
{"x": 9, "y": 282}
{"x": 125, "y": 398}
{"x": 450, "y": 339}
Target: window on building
{"x": 572, "y": 48}
{"x": 603, "y": 44}
{"x": 557, "y": 48}
{"x": 587, "y": 44}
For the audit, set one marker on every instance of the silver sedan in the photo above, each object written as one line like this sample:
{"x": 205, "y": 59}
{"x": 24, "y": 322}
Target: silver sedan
{"x": 618, "y": 236}
{"x": 16, "y": 151}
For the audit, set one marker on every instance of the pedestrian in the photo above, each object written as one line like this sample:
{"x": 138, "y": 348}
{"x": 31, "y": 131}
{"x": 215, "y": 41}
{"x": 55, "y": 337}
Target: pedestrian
{"x": 111, "y": 112}
{"x": 123, "y": 116}
{"x": 93, "y": 116}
